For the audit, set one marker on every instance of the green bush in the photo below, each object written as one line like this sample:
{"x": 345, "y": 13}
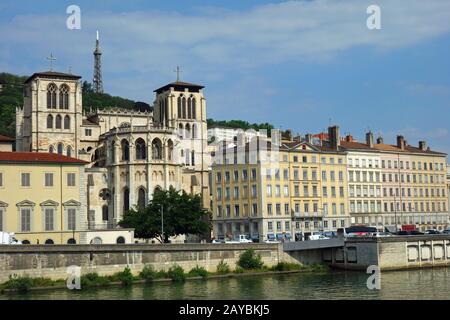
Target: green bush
{"x": 161, "y": 274}
{"x": 318, "y": 267}
{"x": 198, "y": 272}
{"x": 125, "y": 277}
{"x": 223, "y": 267}
{"x": 238, "y": 270}
{"x": 249, "y": 260}
{"x": 176, "y": 273}
{"x": 148, "y": 273}
{"x": 284, "y": 266}
{"x": 90, "y": 280}
{"x": 19, "y": 283}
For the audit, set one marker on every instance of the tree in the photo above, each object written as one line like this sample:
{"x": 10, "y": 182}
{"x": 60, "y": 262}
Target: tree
{"x": 183, "y": 213}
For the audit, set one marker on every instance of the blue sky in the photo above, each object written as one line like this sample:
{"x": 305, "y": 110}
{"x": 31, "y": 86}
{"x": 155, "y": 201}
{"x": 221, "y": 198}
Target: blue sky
{"x": 297, "y": 64}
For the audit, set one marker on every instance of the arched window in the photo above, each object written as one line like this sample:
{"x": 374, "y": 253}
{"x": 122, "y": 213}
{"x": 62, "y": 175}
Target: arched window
{"x": 189, "y": 109}
{"x": 193, "y": 158}
{"x": 120, "y": 240}
{"x": 49, "y": 241}
{"x": 194, "y": 107}
{"x": 69, "y": 151}
{"x": 166, "y": 110}
{"x": 51, "y": 96}
{"x": 141, "y": 198}
{"x": 125, "y": 150}
{"x": 187, "y": 131}
{"x": 60, "y": 148}
{"x": 71, "y": 241}
{"x": 179, "y": 107}
{"x": 194, "y": 131}
{"x": 51, "y": 149}
{"x": 66, "y": 122}
{"x": 58, "y": 121}
{"x": 105, "y": 213}
{"x": 180, "y": 130}
{"x": 183, "y": 104}
{"x": 49, "y": 121}
{"x": 141, "y": 150}
{"x": 64, "y": 97}
{"x": 170, "y": 148}
{"x": 126, "y": 199}
{"x": 156, "y": 149}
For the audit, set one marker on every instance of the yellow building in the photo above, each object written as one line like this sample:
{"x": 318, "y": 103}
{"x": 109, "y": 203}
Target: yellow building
{"x": 281, "y": 191}
{"x": 42, "y": 197}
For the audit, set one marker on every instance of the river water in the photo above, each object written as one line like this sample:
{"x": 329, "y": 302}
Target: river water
{"x": 413, "y": 284}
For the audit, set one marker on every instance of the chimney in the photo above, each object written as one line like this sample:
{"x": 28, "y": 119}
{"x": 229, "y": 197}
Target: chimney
{"x": 349, "y": 138}
{"x": 423, "y": 145}
{"x": 401, "y": 142}
{"x": 308, "y": 137}
{"x": 333, "y": 137}
{"x": 380, "y": 140}
{"x": 369, "y": 139}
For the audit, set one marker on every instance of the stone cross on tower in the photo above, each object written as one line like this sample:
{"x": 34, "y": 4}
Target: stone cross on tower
{"x": 51, "y": 58}
{"x": 178, "y": 71}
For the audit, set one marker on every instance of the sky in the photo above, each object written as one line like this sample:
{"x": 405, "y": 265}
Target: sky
{"x": 300, "y": 65}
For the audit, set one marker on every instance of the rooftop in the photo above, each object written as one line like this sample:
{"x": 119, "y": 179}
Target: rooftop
{"x": 6, "y": 139}
{"x": 180, "y": 86}
{"x": 53, "y": 74}
{"x": 37, "y": 157}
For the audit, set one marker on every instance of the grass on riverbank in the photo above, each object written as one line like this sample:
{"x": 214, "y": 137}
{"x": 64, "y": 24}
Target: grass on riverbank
{"x": 248, "y": 263}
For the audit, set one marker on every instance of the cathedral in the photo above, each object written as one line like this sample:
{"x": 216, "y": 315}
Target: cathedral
{"x": 129, "y": 153}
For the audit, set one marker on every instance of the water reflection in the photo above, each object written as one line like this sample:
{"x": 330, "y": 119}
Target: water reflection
{"x": 411, "y": 284}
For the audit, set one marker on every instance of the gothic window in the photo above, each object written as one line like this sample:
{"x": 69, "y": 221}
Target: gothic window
{"x": 183, "y": 104}
{"x": 49, "y": 121}
{"x": 157, "y": 149}
{"x": 166, "y": 109}
{"x": 141, "y": 198}
{"x": 179, "y": 107}
{"x": 125, "y": 150}
{"x": 194, "y": 131}
{"x": 51, "y": 149}
{"x": 187, "y": 131}
{"x": 193, "y": 158}
{"x": 189, "y": 108}
{"x": 170, "y": 147}
{"x": 187, "y": 154}
{"x": 141, "y": 153}
{"x": 58, "y": 121}
{"x": 105, "y": 213}
{"x": 69, "y": 151}
{"x": 64, "y": 97}
{"x": 66, "y": 122}
{"x": 113, "y": 151}
{"x": 180, "y": 131}
{"x": 126, "y": 199}
{"x": 51, "y": 96}
{"x": 193, "y": 109}
{"x": 60, "y": 148}
{"x": 162, "y": 110}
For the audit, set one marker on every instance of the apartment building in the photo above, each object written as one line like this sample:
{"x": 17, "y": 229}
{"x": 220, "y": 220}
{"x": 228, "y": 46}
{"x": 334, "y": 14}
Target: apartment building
{"x": 395, "y": 185}
{"x": 282, "y": 193}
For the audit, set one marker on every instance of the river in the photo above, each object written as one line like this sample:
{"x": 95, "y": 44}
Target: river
{"x": 413, "y": 284}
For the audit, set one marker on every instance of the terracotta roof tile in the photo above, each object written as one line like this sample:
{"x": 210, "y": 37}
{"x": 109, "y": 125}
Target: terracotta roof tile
{"x": 37, "y": 157}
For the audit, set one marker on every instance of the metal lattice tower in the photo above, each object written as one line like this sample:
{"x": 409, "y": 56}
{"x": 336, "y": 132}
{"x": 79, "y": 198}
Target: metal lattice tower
{"x": 98, "y": 82}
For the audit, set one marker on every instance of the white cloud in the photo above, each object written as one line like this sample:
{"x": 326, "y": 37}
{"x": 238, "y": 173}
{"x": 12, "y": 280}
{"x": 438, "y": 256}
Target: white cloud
{"x": 151, "y": 43}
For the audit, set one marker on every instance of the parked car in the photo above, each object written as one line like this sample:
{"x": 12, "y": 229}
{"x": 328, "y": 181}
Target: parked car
{"x": 330, "y": 234}
{"x": 218, "y": 241}
{"x": 272, "y": 241}
{"x": 318, "y": 237}
{"x": 432, "y": 231}
{"x": 409, "y": 233}
{"x": 381, "y": 234}
{"x": 242, "y": 238}
{"x": 446, "y": 231}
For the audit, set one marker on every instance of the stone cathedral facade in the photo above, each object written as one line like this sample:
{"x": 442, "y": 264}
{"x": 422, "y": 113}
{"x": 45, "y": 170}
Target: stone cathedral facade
{"x": 130, "y": 153}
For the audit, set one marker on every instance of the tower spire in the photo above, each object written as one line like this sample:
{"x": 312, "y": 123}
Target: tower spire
{"x": 97, "y": 81}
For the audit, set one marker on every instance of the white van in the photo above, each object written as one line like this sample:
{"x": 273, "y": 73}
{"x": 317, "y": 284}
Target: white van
{"x": 8, "y": 238}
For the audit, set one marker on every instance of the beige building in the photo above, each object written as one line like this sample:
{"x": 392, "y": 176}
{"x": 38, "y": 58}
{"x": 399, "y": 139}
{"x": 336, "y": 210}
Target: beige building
{"x": 6, "y": 144}
{"x": 129, "y": 153}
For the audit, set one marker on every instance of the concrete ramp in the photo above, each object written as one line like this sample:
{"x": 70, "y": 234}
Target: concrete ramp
{"x": 313, "y": 244}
